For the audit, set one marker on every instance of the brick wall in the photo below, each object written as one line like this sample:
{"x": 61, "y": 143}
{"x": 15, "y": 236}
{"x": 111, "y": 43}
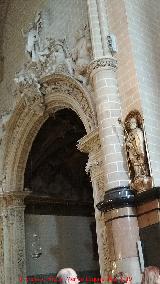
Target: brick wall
{"x": 136, "y": 25}
{"x": 144, "y": 31}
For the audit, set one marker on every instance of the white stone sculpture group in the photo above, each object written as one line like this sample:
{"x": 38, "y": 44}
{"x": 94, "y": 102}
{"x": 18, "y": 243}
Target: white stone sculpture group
{"x": 50, "y": 56}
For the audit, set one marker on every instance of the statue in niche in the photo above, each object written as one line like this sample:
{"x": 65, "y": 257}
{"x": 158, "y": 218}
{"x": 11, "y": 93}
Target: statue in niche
{"x": 136, "y": 152}
{"x": 81, "y": 54}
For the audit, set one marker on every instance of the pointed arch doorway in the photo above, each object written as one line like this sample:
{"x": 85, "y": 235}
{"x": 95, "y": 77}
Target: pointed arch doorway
{"x": 32, "y": 110}
{"x": 60, "y": 208}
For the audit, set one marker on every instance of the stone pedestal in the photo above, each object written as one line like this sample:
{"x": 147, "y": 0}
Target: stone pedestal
{"x": 122, "y": 231}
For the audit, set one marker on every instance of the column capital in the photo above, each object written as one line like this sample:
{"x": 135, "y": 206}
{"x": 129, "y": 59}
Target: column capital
{"x": 13, "y": 198}
{"x": 102, "y": 63}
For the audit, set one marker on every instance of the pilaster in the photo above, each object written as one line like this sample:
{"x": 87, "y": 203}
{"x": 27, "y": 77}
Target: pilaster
{"x": 91, "y": 144}
{"x": 13, "y": 236}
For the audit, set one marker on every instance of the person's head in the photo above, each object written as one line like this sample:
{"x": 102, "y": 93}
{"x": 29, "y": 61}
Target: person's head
{"x": 67, "y": 276}
{"x": 151, "y": 275}
{"x": 121, "y": 278}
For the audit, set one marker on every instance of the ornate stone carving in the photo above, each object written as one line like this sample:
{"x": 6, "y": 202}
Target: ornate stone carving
{"x": 135, "y": 146}
{"x": 14, "y": 239}
{"x": 56, "y": 85}
{"x": 90, "y": 143}
{"x": 81, "y": 54}
{"x": 51, "y": 55}
{"x": 103, "y": 63}
{"x": 33, "y": 38}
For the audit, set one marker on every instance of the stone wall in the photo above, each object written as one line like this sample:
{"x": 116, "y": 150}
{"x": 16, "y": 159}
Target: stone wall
{"x": 61, "y": 19}
{"x": 143, "y": 24}
{"x": 66, "y": 241}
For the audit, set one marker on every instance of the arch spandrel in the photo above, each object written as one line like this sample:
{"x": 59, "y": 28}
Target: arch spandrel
{"x": 34, "y": 107}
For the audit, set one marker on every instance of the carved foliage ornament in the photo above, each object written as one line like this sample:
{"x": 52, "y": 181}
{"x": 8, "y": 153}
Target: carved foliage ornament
{"x": 136, "y": 151}
{"x": 104, "y": 63}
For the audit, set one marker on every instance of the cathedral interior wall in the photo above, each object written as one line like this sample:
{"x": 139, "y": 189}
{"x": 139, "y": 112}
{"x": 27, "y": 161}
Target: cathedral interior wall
{"x": 58, "y": 23}
{"x": 143, "y": 23}
{"x": 136, "y": 26}
{"x": 52, "y": 230}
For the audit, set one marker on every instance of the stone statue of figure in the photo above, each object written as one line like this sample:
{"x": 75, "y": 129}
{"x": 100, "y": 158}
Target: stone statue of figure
{"x": 135, "y": 148}
{"x": 151, "y": 275}
{"x": 81, "y": 55}
{"x": 62, "y": 61}
{"x": 137, "y": 159}
{"x": 33, "y": 38}
{"x": 54, "y": 57}
{"x": 67, "y": 276}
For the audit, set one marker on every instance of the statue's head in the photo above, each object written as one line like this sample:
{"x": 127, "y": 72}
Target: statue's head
{"x": 132, "y": 123}
{"x": 151, "y": 275}
{"x": 67, "y": 276}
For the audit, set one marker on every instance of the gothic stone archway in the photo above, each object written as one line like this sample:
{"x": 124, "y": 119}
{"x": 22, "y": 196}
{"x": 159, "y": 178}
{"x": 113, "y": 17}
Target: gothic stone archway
{"x": 32, "y": 110}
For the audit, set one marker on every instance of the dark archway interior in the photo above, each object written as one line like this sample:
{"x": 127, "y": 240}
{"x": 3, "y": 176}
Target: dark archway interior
{"x": 55, "y": 168}
{"x": 61, "y": 201}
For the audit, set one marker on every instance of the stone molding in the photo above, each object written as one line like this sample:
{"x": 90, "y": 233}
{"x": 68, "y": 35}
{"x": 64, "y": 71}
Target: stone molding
{"x": 117, "y": 198}
{"x": 54, "y": 92}
{"x": 13, "y": 199}
{"x": 103, "y": 63}
{"x": 90, "y": 143}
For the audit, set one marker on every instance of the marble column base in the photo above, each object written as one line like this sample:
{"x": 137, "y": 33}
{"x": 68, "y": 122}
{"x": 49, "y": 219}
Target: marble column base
{"x": 131, "y": 267}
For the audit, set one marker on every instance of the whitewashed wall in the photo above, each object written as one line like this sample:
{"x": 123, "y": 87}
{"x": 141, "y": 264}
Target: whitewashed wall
{"x": 66, "y": 241}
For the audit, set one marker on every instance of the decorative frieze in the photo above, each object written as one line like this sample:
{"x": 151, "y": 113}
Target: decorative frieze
{"x": 107, "y": 63}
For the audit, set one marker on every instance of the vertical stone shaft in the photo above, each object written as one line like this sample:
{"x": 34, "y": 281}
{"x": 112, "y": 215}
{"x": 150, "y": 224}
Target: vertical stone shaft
{"x": 91, "y": 144}
{"x": 103, "y": 25}
{"x": 103, "y": 78}
{"x": 13, "y": 237}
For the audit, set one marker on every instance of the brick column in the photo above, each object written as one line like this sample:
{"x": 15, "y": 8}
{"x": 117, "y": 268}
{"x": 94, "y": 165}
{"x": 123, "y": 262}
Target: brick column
{"x": 103, "y": 79}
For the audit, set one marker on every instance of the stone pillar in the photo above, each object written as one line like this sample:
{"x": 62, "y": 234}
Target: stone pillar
{"x": 102, "y": 72}
{"x": 1, "y": 246}
{"x": 91, "y": 144}
{"x": 13, "y": 236}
